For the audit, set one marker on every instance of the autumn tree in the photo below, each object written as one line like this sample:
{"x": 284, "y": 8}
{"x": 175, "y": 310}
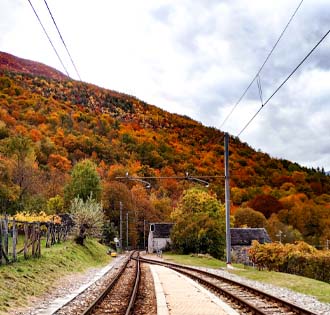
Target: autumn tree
{"x": 85, "y": 182}
{"x": 9, "y": 191}
{"x": 279, "y": 231}
{"x": 247, "y": 217}
{"x": 21, "y": 151}
{"x": 265, "y": 204}
{"x": 199, "y": 224}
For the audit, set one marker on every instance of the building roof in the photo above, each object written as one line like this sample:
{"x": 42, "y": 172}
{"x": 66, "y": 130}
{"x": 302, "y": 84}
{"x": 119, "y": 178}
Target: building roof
{"x": 162, "y": 230}
{"x": 245, "y": 236}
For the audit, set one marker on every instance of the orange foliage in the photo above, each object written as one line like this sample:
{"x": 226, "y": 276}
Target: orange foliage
{"x": 59, "y": 162}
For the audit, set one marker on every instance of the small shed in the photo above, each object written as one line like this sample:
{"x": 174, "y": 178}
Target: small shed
{"x": 159, "y": 236}
{"x": 241, "y": 240}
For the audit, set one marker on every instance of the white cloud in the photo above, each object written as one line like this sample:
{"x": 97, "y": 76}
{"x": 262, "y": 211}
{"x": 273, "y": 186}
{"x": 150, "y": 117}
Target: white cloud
{"x": 196, "y": 58}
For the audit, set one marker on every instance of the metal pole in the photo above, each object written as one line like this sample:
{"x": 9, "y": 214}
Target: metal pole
{"x": 144, "y": 234}
{"x": 126, "y": 230}
{"x": 120, "y": 225}
{"x": 227, "y": 200}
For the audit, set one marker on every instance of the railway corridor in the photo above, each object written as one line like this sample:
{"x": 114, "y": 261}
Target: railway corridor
{"x": 178, "y": 295}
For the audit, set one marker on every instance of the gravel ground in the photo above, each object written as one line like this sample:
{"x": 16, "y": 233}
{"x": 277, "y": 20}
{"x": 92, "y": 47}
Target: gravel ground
{"x": 62, "y": 288}
{"x": 146, "y": 299}
{"x": 302, "y": 300}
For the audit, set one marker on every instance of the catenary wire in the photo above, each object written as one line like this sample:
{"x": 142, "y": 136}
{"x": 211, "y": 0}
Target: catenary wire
{"x": 262, "y": 66}
{"x": 59, "y": 33}
{"x": 287, "y": 78}
{"x": 58, "y": 56}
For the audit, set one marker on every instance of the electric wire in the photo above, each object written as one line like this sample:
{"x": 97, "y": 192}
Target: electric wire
{"x": 260, "y": 90}
{"x": 262, "y": 66}
{"x": 64, "y": 44}
{"x": 58, "y": 56}
{"x": 287, "y": 78}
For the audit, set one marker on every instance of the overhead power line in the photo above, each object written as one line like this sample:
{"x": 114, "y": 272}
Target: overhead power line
{"x": 59, "y": 33}
{"x": 287, "y": 78}
{"x": 262, "y": 66}
{"x": 58, "y": 56}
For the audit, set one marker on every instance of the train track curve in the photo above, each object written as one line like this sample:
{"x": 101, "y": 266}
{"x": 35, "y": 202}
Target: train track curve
{"x": 243, "y": 298}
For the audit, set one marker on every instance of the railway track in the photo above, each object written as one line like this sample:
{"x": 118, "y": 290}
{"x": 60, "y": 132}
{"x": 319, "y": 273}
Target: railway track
{"x": 120, "y": 295}
{"x": 243, "y": 298}
{"x": 116, "y": 294}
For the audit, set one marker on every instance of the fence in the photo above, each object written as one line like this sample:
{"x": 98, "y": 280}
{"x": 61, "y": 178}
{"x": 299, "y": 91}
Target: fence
{"x": 28, "y": 235}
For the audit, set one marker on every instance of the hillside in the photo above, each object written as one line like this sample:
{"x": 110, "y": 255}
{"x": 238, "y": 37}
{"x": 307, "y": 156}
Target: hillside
{"x": 63, "y": 121}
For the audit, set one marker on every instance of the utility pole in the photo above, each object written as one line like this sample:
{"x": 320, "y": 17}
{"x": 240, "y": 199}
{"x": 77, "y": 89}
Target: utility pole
{"x": 144, "y": 234}
{"x": 227, "y": 201}
{"x": 120, "y": 225}
{"x": 127, "y": 230}
{"x": 279, "y": 235}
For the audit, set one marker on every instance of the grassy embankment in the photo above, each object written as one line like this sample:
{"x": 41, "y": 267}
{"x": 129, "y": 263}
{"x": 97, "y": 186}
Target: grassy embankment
{"x": 318, "y": 289}
{"x": 35, "y": 276}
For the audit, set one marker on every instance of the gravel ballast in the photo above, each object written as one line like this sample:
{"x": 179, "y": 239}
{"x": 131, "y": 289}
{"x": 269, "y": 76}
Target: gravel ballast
{"x": 302, "y": 300}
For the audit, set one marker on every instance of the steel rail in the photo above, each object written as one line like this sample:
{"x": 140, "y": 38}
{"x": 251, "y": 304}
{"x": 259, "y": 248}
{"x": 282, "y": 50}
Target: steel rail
{"x": 178, "y": 268}
{"x": 99, "y": 299}
{"x": 136, "y": 286}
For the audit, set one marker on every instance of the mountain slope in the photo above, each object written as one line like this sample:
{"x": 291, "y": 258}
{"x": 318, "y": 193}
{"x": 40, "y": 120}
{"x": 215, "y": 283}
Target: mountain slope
{"x": 67, "y": 121}
{"x": 11, "y": 63}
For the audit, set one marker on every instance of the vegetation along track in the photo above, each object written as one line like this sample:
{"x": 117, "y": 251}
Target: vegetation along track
{"x": 245, "y": 299}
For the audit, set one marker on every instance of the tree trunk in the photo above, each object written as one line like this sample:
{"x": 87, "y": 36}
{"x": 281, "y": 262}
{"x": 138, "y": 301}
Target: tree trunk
{"x": 81, "y": 237}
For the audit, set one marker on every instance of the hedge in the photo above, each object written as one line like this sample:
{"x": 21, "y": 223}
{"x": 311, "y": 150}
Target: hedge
{"x": 299, "y": 259}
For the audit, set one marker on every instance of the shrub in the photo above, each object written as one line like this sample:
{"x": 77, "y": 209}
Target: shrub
{"x": 300, "y": 259}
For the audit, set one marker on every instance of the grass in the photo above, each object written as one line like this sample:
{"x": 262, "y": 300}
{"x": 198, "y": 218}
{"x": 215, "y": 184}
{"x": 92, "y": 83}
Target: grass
{"x": 35, "y": 276}
{"x": 195, "y": 260}
{"x": 320, "y": 290}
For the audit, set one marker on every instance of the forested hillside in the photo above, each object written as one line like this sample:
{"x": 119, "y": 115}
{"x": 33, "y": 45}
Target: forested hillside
{"x": 48, "y": 122}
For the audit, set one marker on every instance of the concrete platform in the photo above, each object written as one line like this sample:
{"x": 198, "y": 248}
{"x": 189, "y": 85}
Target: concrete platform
{"x": 178, "y": 295}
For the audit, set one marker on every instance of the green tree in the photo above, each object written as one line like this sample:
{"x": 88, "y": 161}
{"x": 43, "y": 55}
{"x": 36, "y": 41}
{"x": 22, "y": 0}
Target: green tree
{"x": 55, "y": 205}
{"x": 85, "y": 182}
{"x": 248, "y": 217}
{"x": 199, "y": 224}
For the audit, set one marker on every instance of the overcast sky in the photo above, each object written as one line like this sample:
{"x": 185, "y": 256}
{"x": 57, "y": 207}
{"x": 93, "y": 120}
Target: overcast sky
{"x": 196, "y": 58}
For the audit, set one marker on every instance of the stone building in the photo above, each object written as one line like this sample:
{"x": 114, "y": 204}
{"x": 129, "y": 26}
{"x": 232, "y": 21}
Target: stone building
{"x": 241, "y": 240}
{"x": 159, "y": 236}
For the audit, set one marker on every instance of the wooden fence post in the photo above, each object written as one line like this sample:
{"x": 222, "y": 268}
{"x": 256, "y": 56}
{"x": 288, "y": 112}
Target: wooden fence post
{"x": 26, "y": 240}
{"x": 39, "y": 241}
{"x": 5, "y": 234}
{"x": 65, "y": 233}
{"x": 14, "y": 239}
{"x": 53, "y": 234}
{"x": 58, "y": 230}
{"x": 33, "y": 240}
{"x": 1, "y": 241}
{"x": 48, "y": 235}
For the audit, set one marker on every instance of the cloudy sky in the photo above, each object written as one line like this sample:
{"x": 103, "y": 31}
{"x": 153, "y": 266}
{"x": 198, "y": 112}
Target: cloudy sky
{"x": 196, "y": 58}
